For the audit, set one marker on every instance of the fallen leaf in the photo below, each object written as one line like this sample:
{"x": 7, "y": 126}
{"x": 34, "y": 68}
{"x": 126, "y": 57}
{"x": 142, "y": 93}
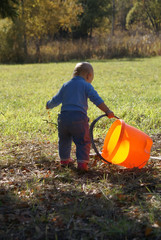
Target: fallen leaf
{"x": 148, "y": 231}
{"x": 98, "y": 195}
{"x": 121, "y": 197}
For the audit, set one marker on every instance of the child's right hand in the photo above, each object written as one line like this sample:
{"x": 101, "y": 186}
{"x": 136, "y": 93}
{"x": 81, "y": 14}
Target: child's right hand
{"x": 47, "y": 106}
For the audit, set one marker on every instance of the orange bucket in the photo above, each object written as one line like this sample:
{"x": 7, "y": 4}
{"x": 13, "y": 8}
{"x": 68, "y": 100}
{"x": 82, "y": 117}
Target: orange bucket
{"x": 126, "y": 146}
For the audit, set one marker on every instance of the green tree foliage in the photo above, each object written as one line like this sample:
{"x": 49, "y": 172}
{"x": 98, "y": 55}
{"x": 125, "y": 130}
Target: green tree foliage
{"x": 146, "y": 11}
{"x": 37, "y": 22}
{"x": 92, "y": 16}
{"x": 135, "y": 14}
{"x": 8, "y": 8}
{"x": 122, "y": 9}
{"x": 153, "y": 12}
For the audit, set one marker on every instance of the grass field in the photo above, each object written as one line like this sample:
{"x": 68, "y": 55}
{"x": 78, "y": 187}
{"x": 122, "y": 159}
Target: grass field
{"x": 130, "y": 88}
{"x": 39, "y": 199}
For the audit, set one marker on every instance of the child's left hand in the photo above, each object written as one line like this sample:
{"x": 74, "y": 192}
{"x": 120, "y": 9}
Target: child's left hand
{"x": 110, "y": 114}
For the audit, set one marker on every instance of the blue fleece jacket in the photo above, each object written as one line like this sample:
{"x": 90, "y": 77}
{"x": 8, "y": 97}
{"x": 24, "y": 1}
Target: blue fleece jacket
{"x": 74, "y": 94}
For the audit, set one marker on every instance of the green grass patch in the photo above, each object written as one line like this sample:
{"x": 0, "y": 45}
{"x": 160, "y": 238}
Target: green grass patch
{"x": 131, "y": 88}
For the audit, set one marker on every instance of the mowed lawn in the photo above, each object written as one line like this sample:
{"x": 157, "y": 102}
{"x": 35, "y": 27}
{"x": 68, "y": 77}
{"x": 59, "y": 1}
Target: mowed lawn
{"x": 131, "y": 88}
{"x": 39, "y": 199}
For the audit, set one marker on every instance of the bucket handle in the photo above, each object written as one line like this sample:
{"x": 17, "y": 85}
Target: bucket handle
{"x": 91, "y": 136}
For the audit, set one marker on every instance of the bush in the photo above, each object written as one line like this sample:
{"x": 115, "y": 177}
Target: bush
{"x": 119, "y": 46}
{"x": 123, "y": 44}
{"x": 11, "y": 50}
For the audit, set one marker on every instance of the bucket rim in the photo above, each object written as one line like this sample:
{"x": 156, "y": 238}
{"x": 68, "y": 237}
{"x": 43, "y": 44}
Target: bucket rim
{"x": 109, "y": 133}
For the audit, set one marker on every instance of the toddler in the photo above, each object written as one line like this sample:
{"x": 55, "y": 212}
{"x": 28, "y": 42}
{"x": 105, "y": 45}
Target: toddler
{"x": 73, "y": 121}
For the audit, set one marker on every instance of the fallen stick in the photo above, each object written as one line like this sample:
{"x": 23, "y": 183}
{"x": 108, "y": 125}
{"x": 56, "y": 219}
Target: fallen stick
{"x": 156, "y": 158}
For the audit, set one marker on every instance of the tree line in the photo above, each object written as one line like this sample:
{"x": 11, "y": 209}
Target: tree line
{"x": 40, "y": 21}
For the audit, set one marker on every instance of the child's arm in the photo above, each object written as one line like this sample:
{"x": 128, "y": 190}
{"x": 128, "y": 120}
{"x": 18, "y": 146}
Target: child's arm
{"x": 55, "y": 101}
{"x": 105, "y": 109}
{"x": 97, "y": 100}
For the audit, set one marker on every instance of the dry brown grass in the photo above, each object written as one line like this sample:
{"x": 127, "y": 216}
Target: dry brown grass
{"x": 119, "y": 46}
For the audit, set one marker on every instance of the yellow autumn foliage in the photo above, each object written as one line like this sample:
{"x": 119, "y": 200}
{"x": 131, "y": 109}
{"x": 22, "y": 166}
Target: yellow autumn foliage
{"x": 47, "y": 17}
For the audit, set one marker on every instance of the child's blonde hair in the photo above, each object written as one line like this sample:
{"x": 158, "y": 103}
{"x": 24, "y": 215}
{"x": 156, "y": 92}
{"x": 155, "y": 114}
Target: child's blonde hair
{"x": 82, "y": 68}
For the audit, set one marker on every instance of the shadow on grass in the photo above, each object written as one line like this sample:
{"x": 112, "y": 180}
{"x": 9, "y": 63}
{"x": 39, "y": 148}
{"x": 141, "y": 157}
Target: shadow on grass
{"x": 40, "y": 200}
{"x": 43, "y": 201}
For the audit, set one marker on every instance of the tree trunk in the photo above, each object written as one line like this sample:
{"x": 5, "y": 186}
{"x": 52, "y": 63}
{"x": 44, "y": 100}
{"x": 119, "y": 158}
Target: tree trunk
{"x": 24, "y": 31}
{"x": 91, "y": 30}
{"x": 113, "y": 17}
{"x": 37, "y": 43}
